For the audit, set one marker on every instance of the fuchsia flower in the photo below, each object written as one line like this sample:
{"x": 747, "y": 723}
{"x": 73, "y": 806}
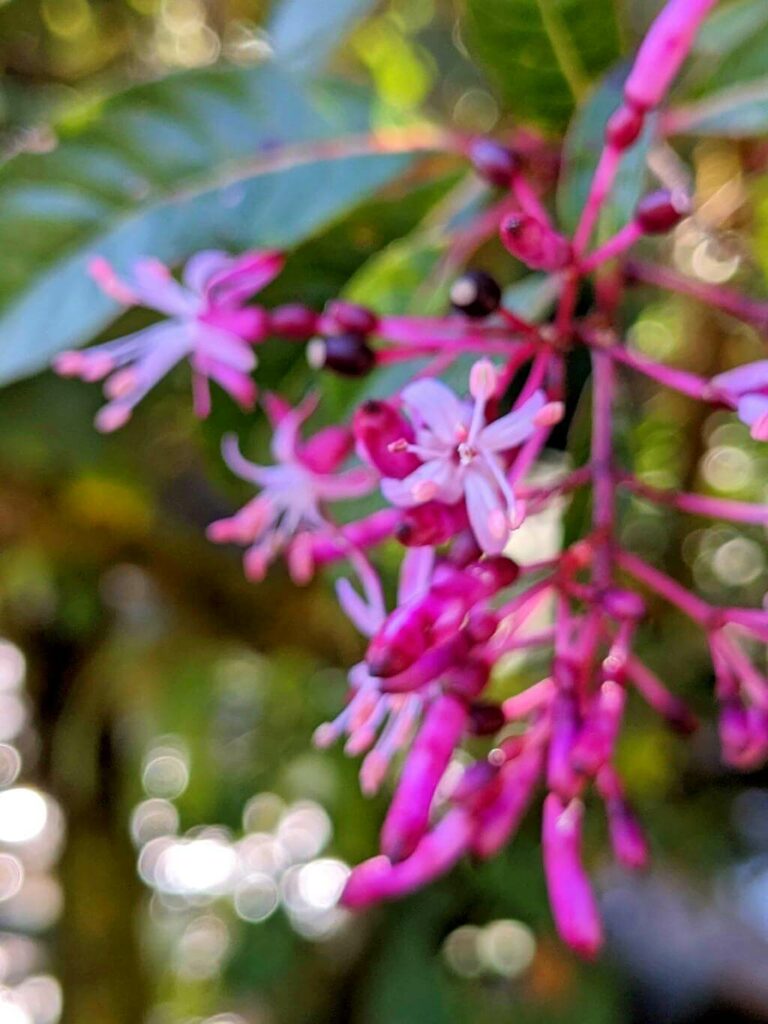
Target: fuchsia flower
{"x": 205, "y": 322}
{"x": 463, "y": 455}
{"x": 746, "y": 388}
{"x": 293, "y": 491}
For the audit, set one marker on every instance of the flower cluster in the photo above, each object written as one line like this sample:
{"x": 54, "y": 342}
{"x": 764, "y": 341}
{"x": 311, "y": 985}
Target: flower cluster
{"x": 453, "y": 475}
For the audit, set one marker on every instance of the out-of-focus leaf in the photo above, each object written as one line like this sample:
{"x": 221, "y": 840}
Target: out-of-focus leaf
{"x": 539, "y": 53}
{"x": 583, "y": 144}
{"x": 735, "y": 113}
{"x": 217, "y": 158}
{"x": 304, "y": 33}
{"x": 733, "y": 44}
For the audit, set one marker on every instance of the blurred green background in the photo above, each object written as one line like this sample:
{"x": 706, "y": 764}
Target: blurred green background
{"x": 171, "y": 847}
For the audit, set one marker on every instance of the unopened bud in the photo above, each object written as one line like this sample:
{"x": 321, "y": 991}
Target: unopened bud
{"x": 535, "y": 243}
{"x": 660, "y": 211}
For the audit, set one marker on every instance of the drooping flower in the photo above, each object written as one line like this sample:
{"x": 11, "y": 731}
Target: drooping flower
{"x": 463, "y": 455}
{"x": 293, "y": 491}
{"x": 746, "y": 388}
{"x": 205, "y": 322}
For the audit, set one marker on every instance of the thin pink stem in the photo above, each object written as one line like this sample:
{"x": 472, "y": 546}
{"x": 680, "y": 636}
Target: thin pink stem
{"x": 701, "y": 612}
{"x": 603, "y": 387}
{"x": 700, "y": 504}
{"x": 726, "y": 299}
{"x": 616, "y": 245}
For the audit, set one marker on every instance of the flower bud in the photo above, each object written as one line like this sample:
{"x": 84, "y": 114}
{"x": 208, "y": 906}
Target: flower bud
{"x": 535, "y": 243}
{"x": 494, "y": 162}
{"x": 485, "y": 719}
{"x": 624, "y": 126}
{"x": 345, "y": 354}
{"x": 475, "y": 294}
{"x": 430, "y": 524}
{"x": 661, "y": 211}
{"x": 570, "y": 893}
{"x": 348, "y": 316}
{"x": 293, "y": 321}
{"x": 378, "y": 425}
{"x": 408, "y": 815}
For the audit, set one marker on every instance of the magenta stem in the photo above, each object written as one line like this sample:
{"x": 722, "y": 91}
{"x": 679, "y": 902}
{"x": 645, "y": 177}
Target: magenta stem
{"x": 700, "y": 504}
{"x": 702, "y": 613}
{"x": 602, "y": 182}
{"x": 616, "y": 245}
{"x": 726, "y": 299}
{"x": 603, "y": 386}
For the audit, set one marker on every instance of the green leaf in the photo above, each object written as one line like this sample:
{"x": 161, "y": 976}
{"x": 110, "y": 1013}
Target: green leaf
{"x": 735, "y": 113}
{"x": 732, "y": 45}
{"x": 223, "y": 158}
{"x": 583, "y": 144}
{"x": 542, "y": 54}
{"x": 305, "y": 33}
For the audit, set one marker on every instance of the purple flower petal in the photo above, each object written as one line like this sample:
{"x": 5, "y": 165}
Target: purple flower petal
{"x": 437, "y": 406}
{"x": 437, "y": 479}
{"x": 752, "y": 377}
{"x": 516, "y": 426}
{"x": 487, "y": 512}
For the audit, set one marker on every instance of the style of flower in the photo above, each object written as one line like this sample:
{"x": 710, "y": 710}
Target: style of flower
{"x": 463, "y": 454}
{"x": 205, "y": 322}
{"x": 746, "y": 388}
{"x": 293, "y": 491}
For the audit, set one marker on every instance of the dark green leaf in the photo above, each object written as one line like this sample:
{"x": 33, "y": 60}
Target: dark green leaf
{"x": 216, "y": 158}
{"x": 541, "y": 53}
{"x": 583, "y": 144}
{"x": 304, "y": 33}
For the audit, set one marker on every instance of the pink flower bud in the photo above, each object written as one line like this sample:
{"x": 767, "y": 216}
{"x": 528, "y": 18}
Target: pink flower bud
{"x": 663, "y": 50}
{"x": 500, "y": 819}
{"x": 535, "y": 243}
{"x": 378, "y": 426}
{"x": 408, "y": 815}
{"x": 432, "y": 523}
{"x": 293, "y": 321}
{"x": 325, "y": 451}
{"x": 570, "y": 893}
{"x": 341, "y": 316}
{"x": 562, "y": 775}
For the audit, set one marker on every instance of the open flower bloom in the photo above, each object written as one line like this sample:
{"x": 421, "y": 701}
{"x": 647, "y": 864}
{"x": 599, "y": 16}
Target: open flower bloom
{"x": 292, "y": 491}
{"x": 746, "y": 388}
{"x": 463, "y": 455}
{"x": 205, "y": 322}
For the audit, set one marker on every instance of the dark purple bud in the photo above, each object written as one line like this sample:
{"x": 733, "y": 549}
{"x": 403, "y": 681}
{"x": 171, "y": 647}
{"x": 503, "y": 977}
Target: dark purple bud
{"x": 347, "y": 316}
{"x": 475, "y": 294}
{"x": 535, "y": 243}
{"x": 494, "y": 162}
{"x": 293, "y": 321}
{"x": 485, "y": 719}
{"x": 346, "y": 354}
{"x": 624, "y": 126}
{"x": 661, "y": 211}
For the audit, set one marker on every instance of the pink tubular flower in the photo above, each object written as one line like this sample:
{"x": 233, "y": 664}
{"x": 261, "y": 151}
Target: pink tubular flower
{"x": 205, "y": 322}
{"x": 570, "y": 894}
{"x": 746, "y": 388}
{"x": 463, "y": 455}
{"x": 292, "y": 491}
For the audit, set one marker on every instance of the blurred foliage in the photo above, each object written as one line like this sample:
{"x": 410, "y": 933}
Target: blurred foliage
{"x": 156, "y": 127}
